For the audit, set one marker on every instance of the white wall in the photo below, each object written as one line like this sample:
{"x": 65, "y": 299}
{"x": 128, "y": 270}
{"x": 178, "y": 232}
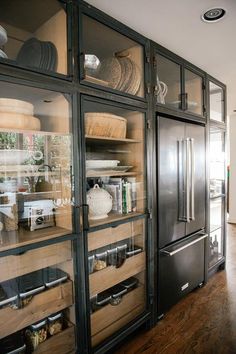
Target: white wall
{"x": 232, "y": 180}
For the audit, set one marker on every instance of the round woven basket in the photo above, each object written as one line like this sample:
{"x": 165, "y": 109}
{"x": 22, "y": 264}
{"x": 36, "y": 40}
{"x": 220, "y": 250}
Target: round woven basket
{"x": 105, "y": 124}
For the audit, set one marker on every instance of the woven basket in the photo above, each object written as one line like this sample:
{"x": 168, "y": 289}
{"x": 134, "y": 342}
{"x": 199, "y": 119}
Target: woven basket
{"x": 105, "y": 124}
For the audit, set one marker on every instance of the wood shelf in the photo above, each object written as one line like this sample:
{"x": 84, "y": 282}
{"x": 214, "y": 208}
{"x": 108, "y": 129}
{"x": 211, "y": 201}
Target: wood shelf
{"x": 41, "y": 306}
{"x": 22, "y": 237}
{"x": 112, "y": 217}
{"x": 105, "y": 237}
{"x": 110, "y": 276}
{"x": 61, "y": 343}
{"x": 105, "y": 140}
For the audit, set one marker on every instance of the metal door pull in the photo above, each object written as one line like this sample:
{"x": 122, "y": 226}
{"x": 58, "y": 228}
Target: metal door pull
{"x": 169, "y": 254}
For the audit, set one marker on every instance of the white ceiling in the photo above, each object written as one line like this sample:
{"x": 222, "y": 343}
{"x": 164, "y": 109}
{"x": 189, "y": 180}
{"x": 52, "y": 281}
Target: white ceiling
{"x": 176, "y": 24}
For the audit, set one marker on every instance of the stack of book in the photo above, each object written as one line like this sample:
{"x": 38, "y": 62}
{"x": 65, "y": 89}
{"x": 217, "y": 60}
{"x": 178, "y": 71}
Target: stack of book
{"x": 123, "y": 192}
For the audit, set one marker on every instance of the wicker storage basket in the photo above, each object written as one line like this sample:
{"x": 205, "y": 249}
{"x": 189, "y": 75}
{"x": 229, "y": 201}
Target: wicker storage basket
{"x": 105, "y": 124}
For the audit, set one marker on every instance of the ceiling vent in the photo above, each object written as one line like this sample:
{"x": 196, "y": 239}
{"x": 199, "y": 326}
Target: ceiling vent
{"x": 213, "y": 15}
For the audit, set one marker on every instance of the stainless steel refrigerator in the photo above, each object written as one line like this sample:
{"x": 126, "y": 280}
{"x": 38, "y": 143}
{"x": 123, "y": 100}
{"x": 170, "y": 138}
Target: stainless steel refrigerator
{"x": 181, "y": 209}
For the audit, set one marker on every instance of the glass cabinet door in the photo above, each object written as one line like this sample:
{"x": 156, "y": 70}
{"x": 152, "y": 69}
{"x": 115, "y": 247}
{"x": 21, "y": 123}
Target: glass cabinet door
{"x": 37, "y": 305}
{"x": 193, "y": 92}
{"x": 36, "y": 278}
{"x": 217, "y": 195}
{"x": 33, "y": 34}
{"x": 217, "y": 162}
{"x": 117, "y": 279}
{"x": 36, "y": 165}
{"x": 111, "y": 59}
{"x": 168, "y": 82}
{"x": 116, "y": 184}
{"x": 216, "y": 102}
{"x": 115, "y": 162}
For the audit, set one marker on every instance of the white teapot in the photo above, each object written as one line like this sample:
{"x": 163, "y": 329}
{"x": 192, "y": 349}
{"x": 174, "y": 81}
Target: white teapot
{"x": 99, "y": 202}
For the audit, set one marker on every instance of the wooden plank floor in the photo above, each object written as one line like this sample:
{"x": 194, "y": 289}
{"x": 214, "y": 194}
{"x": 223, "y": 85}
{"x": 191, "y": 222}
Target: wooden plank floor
{"x": 202, "y": 323}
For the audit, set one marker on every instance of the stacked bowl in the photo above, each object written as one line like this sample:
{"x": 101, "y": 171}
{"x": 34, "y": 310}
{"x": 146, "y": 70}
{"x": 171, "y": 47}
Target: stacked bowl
{"x": 17, "y": 114}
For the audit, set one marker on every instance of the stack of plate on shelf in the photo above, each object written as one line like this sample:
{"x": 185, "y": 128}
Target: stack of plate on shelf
{"x": 17, "y": 114}
{"x": 104, "y": 167}
{"x": 38, "y": 54}
{"x": 3, "y": 40}
{"x": 122, "y": 73}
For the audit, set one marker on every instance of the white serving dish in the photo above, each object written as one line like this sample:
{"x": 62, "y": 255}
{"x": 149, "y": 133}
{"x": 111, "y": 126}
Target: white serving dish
{"x": 101, "y": 163}
{"x": 18, "y": 157}
{"x": 16, "y": 106}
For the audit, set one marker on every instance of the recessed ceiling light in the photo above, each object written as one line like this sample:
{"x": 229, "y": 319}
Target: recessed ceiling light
{"x": 213, "y": 15}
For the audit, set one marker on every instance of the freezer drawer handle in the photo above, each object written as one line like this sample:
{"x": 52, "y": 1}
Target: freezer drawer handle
{"x": 167, "y": 253}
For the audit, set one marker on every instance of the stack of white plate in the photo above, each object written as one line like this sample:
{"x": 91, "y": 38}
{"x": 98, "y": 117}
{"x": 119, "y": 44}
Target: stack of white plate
{"x": 3, "y": 40}
{"x": 17, "y": 114}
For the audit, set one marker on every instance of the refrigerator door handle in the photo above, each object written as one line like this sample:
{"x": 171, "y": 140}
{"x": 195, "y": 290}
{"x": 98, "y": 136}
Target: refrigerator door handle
{"x": 170, "y": 254}
{"x": 188, "y": 172}
{"x": 192, "y": 179}
{"x": 181, "y": 181}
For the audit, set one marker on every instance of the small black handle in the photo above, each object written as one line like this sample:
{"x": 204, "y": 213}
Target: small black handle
{"x": 85, "y": 217}
{"x": 185, "y": 101}
{"x": 82, "y": 68}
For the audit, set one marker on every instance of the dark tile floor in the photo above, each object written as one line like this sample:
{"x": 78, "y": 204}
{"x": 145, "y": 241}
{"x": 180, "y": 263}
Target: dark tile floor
{"x": 202, "y": 323}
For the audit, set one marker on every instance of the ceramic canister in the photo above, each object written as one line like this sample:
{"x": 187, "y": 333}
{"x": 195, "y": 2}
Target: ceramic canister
{"x": 99, "y": 202}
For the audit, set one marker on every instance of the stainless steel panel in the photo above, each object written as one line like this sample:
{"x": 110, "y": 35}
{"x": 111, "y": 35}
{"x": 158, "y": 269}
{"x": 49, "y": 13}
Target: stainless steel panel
{"x": 198, "y": 180}
{"x": 182, "y": 272}
{"x": 171, "y": 188}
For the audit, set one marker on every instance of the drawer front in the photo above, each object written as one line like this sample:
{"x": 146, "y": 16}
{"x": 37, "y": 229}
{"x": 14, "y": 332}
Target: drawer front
{"x": 179, "y": 274}
{"x": 41, "y": 306}
{"x": 62, "y": 343}
{"x": 110, "y": 235}
{"x": 110, "y": 276}
{"x": 104, "y": 317}
{"x": 17, "y": 265}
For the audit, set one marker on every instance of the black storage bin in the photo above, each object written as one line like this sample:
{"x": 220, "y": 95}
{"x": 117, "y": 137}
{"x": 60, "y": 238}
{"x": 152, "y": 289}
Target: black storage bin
{"x": 13, "y": 344}
{"x": 54, "y": 276}
{"x": 8, "y": 293}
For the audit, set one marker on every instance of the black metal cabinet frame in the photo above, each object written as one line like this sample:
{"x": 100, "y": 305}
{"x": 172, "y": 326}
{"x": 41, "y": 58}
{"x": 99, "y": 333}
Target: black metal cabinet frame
{"x": 80, "y": 90}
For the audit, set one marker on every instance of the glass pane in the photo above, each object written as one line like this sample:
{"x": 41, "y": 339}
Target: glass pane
{"x": 111, "y": 59}
{"x": 216, "y": 208}
{"x": 216, "y": 102}
{"x": 116, "y": 255}
{"x": 36, "y": 165}
{"x": 33, "y": 34}
{"x": 217, "y": 162}
{"x": 168, "y": 82}
{"x": 193, "y": 90}
{"x": 114, "y": 162}
{"x": 215, "y": 247}
{"x": 31, "y": 301}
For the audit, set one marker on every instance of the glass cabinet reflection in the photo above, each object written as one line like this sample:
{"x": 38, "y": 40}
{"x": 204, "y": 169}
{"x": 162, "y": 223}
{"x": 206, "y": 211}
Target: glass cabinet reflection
{"x": 216, "y": 102}
{"x": 36, "y": 165}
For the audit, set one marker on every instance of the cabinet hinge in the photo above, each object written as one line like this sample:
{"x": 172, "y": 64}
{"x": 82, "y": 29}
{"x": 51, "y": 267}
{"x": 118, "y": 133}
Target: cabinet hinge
{"x": 203, "y": 86}
{"x": 148, "y": 124}
{"x": 148, "y": 58}
{"x": 154, "y": 62}
{"x": 150, "y": 213}
{"x": 149, "y": 88}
